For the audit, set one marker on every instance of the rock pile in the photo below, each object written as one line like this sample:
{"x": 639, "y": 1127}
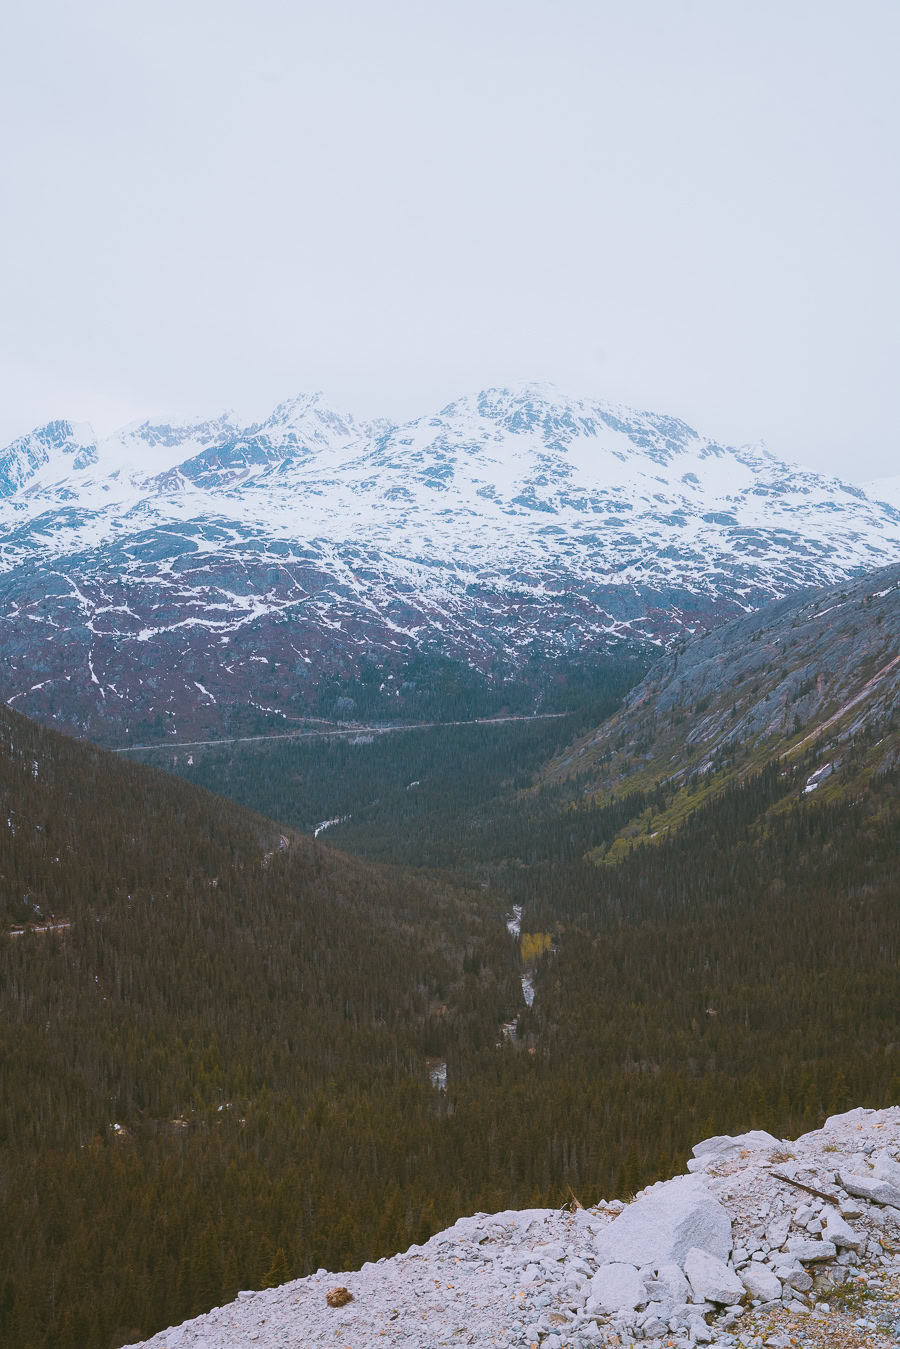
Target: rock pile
{"x": 763, "y": 1243}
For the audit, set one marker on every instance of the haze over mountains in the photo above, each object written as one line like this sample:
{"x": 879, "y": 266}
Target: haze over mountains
{"x": 884, "y": 489}
{"x": 155, "y": 581}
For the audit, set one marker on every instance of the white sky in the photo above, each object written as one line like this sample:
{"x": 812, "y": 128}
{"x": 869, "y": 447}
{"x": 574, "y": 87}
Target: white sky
{"x": 688, "y": 205}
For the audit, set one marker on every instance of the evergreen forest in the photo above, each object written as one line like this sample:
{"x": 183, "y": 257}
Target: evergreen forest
{"x": 218, "y": 1035}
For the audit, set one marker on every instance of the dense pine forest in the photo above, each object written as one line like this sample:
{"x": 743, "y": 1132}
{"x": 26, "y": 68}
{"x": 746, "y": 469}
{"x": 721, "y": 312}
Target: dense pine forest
{"x": 216, "y": 1033}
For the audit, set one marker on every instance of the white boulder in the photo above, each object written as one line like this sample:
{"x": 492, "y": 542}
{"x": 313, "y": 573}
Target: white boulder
{"x": 755, "y": 1140}
{"x": 886, "y": 1168}
{"x": 712, "y": 1145}
{"x": 760, "y": 1282}
{"x": 672, "y": 1284}
{"x": 616, "y": 1287}
{"x": 710, "y": 1278}
{"x": 793, "y": 1275}
{"x": 655, "y": 1321}
{"x": 777, "y": 1231}
{"x": 808, "y": 1250}
{"x": 665, "y": 1223}
{"x": 724, "y": 1147}
{"x": 838, "y": 1230}
{"x": 874, "y": 1189}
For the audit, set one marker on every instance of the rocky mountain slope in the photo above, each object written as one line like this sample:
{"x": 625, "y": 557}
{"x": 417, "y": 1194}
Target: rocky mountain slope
{"x": 766, "y": 1242}
{"x": 155, "y": 582}
{"x": 813, "y": 678}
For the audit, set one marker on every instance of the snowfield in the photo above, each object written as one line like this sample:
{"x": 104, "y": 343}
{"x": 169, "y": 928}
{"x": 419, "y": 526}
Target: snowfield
{"x": 509, "y": 522}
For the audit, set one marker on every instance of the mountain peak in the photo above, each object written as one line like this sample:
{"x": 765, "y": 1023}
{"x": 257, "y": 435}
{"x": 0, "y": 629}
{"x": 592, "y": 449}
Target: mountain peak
{"x": 58, "y": 445}
{"x": 307, "y": 422}
{"x": 515, "y": 516}
{"x": 292, "y": 409}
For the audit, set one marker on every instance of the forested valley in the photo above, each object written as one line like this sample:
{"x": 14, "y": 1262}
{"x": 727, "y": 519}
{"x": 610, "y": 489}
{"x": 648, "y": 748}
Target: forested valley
{"x": 217, "y": 1034}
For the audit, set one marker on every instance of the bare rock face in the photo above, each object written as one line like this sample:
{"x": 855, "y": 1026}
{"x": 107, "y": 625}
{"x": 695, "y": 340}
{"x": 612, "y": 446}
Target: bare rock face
{"x": 665, "y": 1223}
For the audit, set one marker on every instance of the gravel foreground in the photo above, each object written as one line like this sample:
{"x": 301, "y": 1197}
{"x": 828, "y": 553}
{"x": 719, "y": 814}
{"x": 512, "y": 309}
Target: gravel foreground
{"x": 810, "y": 1261}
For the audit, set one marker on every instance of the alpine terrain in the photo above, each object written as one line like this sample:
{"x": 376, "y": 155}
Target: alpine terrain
{"x": 810, "y": 680}
{"x": 884, "y": 489}
{"x": 199, "y": 579}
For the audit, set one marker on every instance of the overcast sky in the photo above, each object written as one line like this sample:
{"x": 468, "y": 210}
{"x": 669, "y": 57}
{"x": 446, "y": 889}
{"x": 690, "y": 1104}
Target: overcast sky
{"x": 686, "y": 206}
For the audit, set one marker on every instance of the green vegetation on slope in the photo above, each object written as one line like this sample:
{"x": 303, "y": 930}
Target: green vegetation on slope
{"x": 258, "y": 1020}
{"x": 817, "y": 663}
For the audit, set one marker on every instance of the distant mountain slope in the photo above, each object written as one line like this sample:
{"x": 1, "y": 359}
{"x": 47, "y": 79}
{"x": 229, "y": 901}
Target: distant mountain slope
{"x": 812, "y": 679}
{"x": 884, "y": 489}
{"x": 152, "y": 583}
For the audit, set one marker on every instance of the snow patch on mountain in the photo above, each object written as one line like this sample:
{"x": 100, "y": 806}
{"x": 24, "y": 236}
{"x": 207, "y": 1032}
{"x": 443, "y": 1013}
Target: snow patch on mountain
{"x": 884, "y": 489}
{"x": 509, "y": 522}
{"x": 500, "y": 480}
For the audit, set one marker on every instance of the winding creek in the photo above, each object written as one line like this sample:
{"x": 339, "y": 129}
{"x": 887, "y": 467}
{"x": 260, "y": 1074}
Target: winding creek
{"x": 437, "y": 1068}
{"x": 514, "y": 927}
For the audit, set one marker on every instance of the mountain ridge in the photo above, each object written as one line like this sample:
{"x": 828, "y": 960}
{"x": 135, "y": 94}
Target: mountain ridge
{"x": 812, "y": 679}
{"x": 512, "y": 523}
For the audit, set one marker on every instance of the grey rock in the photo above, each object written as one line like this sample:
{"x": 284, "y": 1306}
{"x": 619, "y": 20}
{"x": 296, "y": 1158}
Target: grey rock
{"x": 724, "y": 1147}
{"x": 653, "y": 1327}
{"x": 885, "y": 1168}
{"x": 701, "y": 1333}
{"x": 670, "y": 1278}
{"x": 761, "y": 1283}
{"x": 874, "y": 1189}
{"x": 719, "y": 1143}
{"x": 665, "y": 1223}
{"x": 777, "y": 1231}
{"x": 793, "y": 1275}
{"x": 616, "y": 1287}
{"x": 711, "y": 1279}
{"x": 838, "y": 1230}
{"x": 808, "y": 1250}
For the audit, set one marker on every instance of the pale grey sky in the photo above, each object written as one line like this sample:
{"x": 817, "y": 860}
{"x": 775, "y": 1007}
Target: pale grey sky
{"x": 688, "y": 205}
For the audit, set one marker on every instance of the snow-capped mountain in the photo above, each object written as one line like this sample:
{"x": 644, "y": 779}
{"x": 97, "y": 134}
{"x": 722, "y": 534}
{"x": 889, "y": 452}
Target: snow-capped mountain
{"x": 152, "y": 581}
{"x": 884, "y": 489}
